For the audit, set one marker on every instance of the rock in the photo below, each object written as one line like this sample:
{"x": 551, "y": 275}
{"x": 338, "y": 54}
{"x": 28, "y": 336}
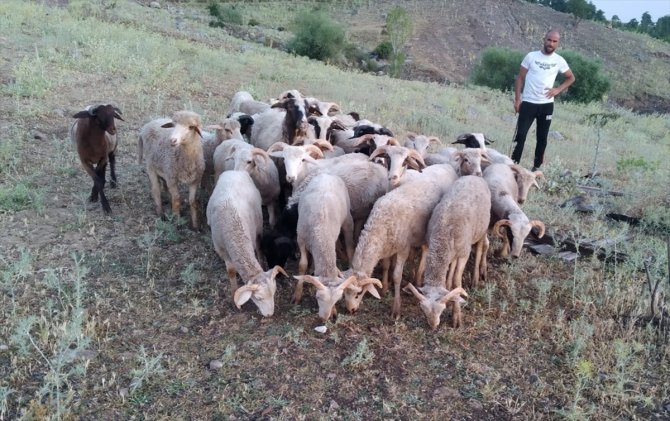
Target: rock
{"x": 556, "y": 135}
{"x": 334, "y": 406}
{"x": 215, "y": 364}
{"x": 475, "y": 405}
{"x": 155, "y": 5}
{"x": 183, "y": 329}
{"x": 3, "y": 347}
{"x": 445, "y": 392}
{"x": 321, "y": 329}
{"x": 123, "y": 392}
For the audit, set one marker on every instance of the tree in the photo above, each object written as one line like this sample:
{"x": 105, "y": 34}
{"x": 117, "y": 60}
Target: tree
{"x": 662, "y": 28}
{"x": 581, "y": 9}
{"x": 632, "y": 25}
{"x": 616, "y": 21}
{"x": 497, "y": 69}
{"x": 646, "y": 24}
{"x": 317, "y": 36}
{"x": 590, "y": 85}
{"x": 399, "y": 28}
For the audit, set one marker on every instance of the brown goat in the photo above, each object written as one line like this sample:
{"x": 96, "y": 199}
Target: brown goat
{"x": 94, "y": 133}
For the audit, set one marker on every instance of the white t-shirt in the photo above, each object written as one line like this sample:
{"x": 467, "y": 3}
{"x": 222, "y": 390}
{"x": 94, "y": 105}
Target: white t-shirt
{"x": 542, "y": 71}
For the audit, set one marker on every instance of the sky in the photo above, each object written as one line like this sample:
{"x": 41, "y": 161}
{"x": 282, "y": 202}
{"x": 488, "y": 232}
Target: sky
{"x": 633, "y": 9}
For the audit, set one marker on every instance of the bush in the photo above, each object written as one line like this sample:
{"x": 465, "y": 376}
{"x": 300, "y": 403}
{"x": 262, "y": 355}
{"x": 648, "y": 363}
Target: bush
{"x": 317, "y": 36}
{"x": 498, "y": 68}
{"x": 223, "y": 15}
{"x": 383, "y": 50}
{"x": 590, "y": 85}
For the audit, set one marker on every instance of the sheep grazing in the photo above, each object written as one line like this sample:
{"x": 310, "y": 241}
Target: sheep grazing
{"x": 174, "y": 153}
{"x": 323, "y": 212}
{"x": 460, "y": 220}
{"x": 506, "y": 211}
{"x": 94, "y": 133}
{"x": 236, "y": 220}
{"x": 285, "y": 122}
{"x": 398, "y": 223}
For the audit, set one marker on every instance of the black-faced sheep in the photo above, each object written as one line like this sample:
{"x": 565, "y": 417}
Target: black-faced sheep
{"x": 285, "y": 122}
{"x": 174, "y": 153}
{"x": 94, "y": 133}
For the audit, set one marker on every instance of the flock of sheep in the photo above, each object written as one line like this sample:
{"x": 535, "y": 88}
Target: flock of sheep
{"x": 333, "y": 186}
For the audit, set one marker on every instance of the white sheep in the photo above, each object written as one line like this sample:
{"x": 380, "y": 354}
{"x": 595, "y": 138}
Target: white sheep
{"x": 323, "y": 212}
{"x": 245, "y": 103}
{"x": 506, "y": 211}
{"x": 460, "y": 220}
{"x": 236, "y": 220}
{"x": 396, "y": 224}
{"x": 174, "y": 153}
{"x": 420, "y": 143}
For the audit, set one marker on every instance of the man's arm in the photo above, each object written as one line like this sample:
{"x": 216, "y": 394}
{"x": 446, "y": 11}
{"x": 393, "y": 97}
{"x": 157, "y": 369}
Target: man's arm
{"x": 518, "y": 84}
{"x": 569, "y": 80}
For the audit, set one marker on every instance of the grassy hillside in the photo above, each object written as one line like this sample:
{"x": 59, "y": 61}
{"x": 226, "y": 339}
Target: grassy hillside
{"x": 119, "y": 317}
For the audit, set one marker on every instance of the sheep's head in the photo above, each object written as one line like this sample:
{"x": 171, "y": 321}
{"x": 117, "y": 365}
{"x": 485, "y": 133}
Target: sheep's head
{"x": 525, "y": 179}
{"x": 353, "y": 295}
{"x": 469, "y": 161}
{"x": 519, "y": 227}
{"x": 185, "y": 126}
{"x": 229, "y": 128}
{"x": 261, "y": 289}
{"x": 420, "y": 143}
{"x": 399, "y": 158}
{"x": 473, "y": 140}
{"x": 295, "y": 157}
{"x": 249, "y": 159}
{"x": 328, "y": 292}
{"x": 103, "y": 115}
{"x": 433, "y": 301}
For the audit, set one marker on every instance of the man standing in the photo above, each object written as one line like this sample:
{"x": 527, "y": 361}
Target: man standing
{"x": 537, "y": 75}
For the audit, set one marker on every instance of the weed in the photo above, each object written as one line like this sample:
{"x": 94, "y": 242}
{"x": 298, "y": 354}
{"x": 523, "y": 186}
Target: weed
{"x": 4, "y": 401}
{"x": 21, "y": 195}
{"x": 189, "y": 276}
{"x": 149, "y": 367}
{"x": 362, "y": 356}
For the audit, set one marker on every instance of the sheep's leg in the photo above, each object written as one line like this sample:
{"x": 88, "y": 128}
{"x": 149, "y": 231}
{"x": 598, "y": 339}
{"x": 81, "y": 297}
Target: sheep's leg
{"x": 99, "y": 185}
{"x": 400, "y": 259}
{"x": 302, "y": 269}
{"x": 479, "y": 270}
{"x": 483, "y": 269}
{"x": 156, "y": 191}
{"x": 232, "y": 278}
{"x": 271, "y": 214}
{"x": 450, "y": 275}
{"x": 418, "y": 277}
{"x": 174, "y": 197}
{"x": 457, "y": 317}
{"x": 193, "y": 204}
{"x": 348, "y": 232}
{"x": 386, "y": 266}
{"x": 112, "y": 169}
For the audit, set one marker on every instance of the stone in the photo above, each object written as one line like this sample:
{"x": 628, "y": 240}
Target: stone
{"x": 215, "y": 364}
{"x": 155, "y": 5}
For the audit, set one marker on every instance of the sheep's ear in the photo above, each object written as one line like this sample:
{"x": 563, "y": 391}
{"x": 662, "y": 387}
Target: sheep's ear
{"x": 488, "y": 141}
{"x": 117, "y": 113}
{"x": 373, "y": 291}
{"x": 244, "y": 293}
{"x": 411, "y": 135}
{"x": 197, "y": 130}
{"x": 434, "y": 139}
{"x": 168, "y": 125}
{"x": 82, "y": 114}
{"x": 385, "y": 132}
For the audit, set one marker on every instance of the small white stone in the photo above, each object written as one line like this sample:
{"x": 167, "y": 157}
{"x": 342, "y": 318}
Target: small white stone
{"x": 215, "y": 364}
{"x": 3, "y": 347}
{"x": 321, "y": 329}
{"x": 155, "y": 5}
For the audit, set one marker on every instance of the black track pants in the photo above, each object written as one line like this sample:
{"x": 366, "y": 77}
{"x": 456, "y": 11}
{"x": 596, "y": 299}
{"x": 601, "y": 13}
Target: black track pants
{"x": 527, "y": 113}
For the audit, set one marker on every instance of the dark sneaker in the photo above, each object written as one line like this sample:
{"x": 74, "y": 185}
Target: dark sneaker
{"x": 535, "y": 168}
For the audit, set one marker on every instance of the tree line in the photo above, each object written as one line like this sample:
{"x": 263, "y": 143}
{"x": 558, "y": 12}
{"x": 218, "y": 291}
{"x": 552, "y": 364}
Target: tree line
{"x": 587, "y": 10}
